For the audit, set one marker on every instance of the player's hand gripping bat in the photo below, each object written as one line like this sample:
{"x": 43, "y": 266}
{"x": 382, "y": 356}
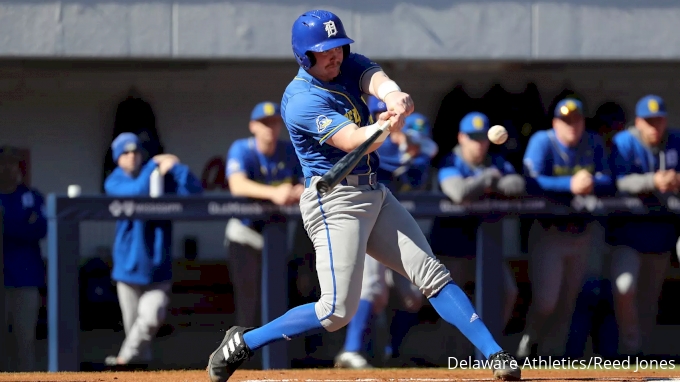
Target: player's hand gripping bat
{"x": 347, "y": 163}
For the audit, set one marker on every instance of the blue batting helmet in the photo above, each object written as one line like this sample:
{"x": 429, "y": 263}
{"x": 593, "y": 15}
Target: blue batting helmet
{"x": 317, "y": 31}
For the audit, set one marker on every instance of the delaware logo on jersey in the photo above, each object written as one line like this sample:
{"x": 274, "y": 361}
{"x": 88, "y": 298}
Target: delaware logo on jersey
{"x": 567, "y": 170}
{"x": 353, "y": 115}
{"x": 322, "y": 122}
{"x": 27, "y": 200}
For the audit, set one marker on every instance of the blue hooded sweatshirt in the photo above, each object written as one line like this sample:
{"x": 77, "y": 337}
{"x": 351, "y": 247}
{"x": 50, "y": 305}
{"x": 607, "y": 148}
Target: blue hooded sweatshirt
{"x": 141, "y": 251}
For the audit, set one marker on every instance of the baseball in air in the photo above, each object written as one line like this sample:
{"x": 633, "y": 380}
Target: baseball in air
{"x": 497, "y": 134}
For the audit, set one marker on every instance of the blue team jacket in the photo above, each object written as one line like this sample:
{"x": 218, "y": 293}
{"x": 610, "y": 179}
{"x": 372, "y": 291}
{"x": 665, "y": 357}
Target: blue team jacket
{"x": 141, "y": 251}
{"x": 24, "y": 226}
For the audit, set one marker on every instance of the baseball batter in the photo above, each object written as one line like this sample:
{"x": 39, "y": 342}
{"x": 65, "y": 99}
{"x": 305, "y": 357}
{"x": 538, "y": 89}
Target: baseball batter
{"x": 326, "y": 118}
{"x": 404, "y": 166}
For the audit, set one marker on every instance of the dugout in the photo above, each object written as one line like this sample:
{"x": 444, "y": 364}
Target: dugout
{"x": 201, "y": 68}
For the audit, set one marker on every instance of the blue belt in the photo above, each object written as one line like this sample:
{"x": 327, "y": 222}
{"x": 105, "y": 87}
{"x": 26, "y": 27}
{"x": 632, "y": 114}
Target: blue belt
{"x": 353, "y": 180}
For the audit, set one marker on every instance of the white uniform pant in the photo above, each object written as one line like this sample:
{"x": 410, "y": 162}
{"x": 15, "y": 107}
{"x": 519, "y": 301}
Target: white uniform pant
{"x": 144, "y": 308}
{"x": 638, "y": 279}
{"x": 558, "y": 262}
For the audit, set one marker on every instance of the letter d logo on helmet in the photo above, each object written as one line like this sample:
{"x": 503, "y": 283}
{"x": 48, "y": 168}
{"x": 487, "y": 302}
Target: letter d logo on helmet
{"x": 317, "y": 31}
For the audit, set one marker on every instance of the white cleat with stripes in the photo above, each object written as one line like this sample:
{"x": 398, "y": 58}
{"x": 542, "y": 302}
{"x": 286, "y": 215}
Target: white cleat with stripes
{"x": 229, "y": 356}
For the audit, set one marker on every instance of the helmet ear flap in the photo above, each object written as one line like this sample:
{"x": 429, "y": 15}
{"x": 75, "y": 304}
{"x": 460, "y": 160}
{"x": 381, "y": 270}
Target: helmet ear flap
{"x": 312, "y": 59}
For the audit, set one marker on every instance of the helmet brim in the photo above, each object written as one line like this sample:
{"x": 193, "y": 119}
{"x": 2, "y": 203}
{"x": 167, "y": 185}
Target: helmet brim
{"x": 330, "y": 44}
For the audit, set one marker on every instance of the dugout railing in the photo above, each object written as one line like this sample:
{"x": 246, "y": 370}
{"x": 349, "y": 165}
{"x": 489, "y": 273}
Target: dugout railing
{"x": 65, "y": 215}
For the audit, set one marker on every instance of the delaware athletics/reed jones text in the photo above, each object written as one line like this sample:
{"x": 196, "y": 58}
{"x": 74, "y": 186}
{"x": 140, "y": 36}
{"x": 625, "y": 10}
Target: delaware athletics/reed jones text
{"x": 592, "y": 363}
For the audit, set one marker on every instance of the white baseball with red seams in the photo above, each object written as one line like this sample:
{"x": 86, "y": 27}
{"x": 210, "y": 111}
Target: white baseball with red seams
{"x": 498, "y": 134}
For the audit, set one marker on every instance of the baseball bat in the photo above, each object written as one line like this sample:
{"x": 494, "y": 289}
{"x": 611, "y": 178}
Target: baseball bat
{"x": 347, "y": 163}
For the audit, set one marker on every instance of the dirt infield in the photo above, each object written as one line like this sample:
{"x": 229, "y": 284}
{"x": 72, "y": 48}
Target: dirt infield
{"x": 335, "y": 375}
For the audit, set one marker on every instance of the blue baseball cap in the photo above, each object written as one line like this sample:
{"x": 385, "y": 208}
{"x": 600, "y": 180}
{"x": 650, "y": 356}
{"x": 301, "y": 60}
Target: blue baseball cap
{"x": 375, "y": 105}
{"x": 125, "y": 142}
{"x": 475, "y": 124}
{"x": 418, "y": 123}
{"x": 568, "y": 106}
{"x": 650, "y": 106}
{"x": 264, "y": 110}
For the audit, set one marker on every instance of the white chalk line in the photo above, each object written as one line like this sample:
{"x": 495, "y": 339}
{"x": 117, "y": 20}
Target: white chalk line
{"x": 446, "y": 379}
{"x": 604, "y": 379}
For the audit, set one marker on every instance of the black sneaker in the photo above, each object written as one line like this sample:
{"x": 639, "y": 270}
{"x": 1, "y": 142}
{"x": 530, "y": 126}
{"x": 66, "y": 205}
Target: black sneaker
{"x": 505, "y": 367}
{"x": 230, "y": 355}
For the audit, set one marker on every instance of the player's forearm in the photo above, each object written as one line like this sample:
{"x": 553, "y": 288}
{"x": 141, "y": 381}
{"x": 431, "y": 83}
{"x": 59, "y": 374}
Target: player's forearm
{"x": 244, "y": 187}
{"x": 554, "y": 183}
{"x": 636, "y": 183}
{"x": 372, "y": 80}
{"x": 187, "y": 183}
{"x": 124, "y": 186}
{"x": 356, "y": 137}
{"x": 511, "y": 185}
{"x": 463, "y": 189}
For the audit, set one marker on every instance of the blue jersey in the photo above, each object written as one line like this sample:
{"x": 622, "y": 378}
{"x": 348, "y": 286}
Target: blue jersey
{"x": 141, "y": 249}
{"x": 314, "y": 110}
{"x": 415, "y": 172}
{"x": 631, "y": 156}
{"x": 457, "y": 236}
{"x": 25, "y": 224}
{"x": 281, "y": 167}
{"x": 549, "y": 166}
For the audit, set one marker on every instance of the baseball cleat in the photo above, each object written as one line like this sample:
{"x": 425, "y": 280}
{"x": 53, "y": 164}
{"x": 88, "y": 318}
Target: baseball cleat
{"x": 230, "y": 355}
{"x": 505, "y": 367}
{"x": 351, "y": 360}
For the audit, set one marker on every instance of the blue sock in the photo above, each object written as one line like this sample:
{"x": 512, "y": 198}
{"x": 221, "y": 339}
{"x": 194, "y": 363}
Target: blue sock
{"x": 354, "y": 338}
{"x": 454, "y": 306}
{"x": 401, "y": 323}
{"x": 294, "y": 323}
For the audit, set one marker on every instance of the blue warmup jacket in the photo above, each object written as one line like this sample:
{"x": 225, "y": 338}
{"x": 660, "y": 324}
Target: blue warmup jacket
{"x": 141, "y": 251}
{"x": 24, "y": 226}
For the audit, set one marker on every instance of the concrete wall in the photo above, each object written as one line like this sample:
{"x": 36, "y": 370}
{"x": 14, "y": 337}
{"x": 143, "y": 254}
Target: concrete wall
{"x": 385, "y": 29}
{"x": 64, "y": 112}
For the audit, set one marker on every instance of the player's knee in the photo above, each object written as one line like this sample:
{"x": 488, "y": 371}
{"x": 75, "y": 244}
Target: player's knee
{"x": 626, "y": 284}
{"x": 413, "y": 303}
{"x": 511, "y": 293}
{"x": 436, "y": 277}
{"x": 337, "y": 313}
{"x": 152, "y": 320}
